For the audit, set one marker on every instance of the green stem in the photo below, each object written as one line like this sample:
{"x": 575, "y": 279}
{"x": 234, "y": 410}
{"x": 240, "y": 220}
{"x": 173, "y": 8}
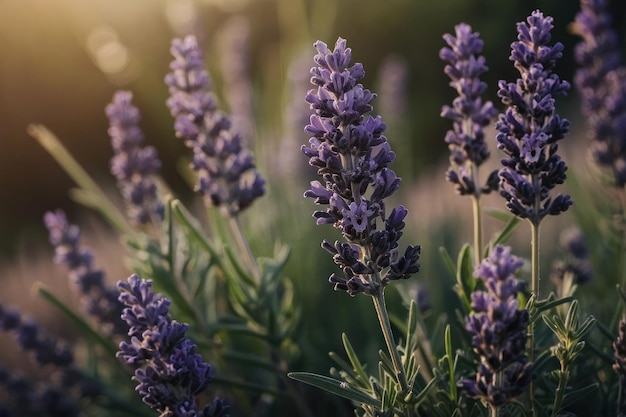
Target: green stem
{"x": 535, "y": 291}
{"x": 385, "y": 325}
{"x": 560, "y": 389}
{"x": 477, "y": 229}
{"x": 535, "y": 259}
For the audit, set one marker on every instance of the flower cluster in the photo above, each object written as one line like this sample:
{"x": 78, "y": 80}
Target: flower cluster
{"x": 351, "y": 153}
{"x": 470, "y": 115}
{"x": 601, "y": 82}
{"x": 99, "y": 299}
{"x": 168, "y": 368}
{"x": 530, "y": 127}
{"x": 226, "y": 172}
{"x": 498, "y": 330}
{"x": 132, "y": 165}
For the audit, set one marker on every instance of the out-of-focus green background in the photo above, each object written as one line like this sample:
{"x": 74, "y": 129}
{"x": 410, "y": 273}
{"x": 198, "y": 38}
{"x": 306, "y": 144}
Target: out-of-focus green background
{"x": 63, "y": 59}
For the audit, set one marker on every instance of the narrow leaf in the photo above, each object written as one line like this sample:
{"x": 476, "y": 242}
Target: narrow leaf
{"x": 82, "y": 325}
{"x": 353, "y": 358}
{"x": 334, "y": 386}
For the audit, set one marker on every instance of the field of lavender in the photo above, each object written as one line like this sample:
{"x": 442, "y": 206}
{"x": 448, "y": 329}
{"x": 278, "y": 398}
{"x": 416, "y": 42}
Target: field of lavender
{"x": 488, "y": 286}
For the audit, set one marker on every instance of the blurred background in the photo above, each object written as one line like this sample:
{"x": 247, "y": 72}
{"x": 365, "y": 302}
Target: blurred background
{"x": 63, "y": 59}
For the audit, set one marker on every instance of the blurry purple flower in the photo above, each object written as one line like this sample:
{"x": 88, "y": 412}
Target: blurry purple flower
{"x": 601, "y": 83}
{"x": 133, "y": 165}
{"x": 226, "y": 172}
{"x": 233, "y": 40}
{"x": 351, "y": 154}
{"x": 575, "y": 264}
{"x": 498, "y": 330}
{"x": 530, "y": 127}
{"x": 34, "y": 398}
{"x": 100, "y": 300}
{"x": 31, "y": 339}
{"x": 469, "y": 114}
{"x": 168, "y": 368}
{"x": 392, "y": 88}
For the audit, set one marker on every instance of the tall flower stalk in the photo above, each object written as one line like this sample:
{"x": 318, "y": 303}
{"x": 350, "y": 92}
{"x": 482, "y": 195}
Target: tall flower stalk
{"x": 226, "y": 172}
{"x": 351, "y": 154}
{"x": 133, "y": 165}
{"x": 466, "y": 140}
{"x": 529, "y": 130}
{"x": 99, "y": 299}
{"x": 227, "y": 176}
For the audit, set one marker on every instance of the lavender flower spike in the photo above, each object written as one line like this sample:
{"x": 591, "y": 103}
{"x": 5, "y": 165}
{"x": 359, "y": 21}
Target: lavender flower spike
{"x": 226, "y": 172}
{"x": 469, "y": 114}
{"x": 351, "y": 153}
{"x": 132, "y": 165}
{"x": 168, "y": 368}
{"x": 100, "y": 300}
{"x": 530, "y": 127}
{"x": 601, "y": 82}
{"x": 498, "y": 330}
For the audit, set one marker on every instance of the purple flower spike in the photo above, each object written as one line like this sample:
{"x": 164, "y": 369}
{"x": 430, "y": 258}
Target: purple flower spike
{"x": 132, "y": 165}
{"x": 99, "y": 300}
{"x": 226, "y": 172}
{"x": 469, "y": 114}
{"x": 351, "y": 155}
{"x": 601, "y": 83}
{"x": 530, "y": 127}
{"x": 168, "y": 368}
{"x": 498, "y": 330}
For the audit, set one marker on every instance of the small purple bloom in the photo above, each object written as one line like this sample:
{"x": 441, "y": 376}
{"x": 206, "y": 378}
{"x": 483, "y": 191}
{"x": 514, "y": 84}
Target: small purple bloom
{"x": 351, "y": 154}
{"x": 530, "y": 127}
{"x": 133, "y": 166}
{"x": 168, "y": 368}
{"x": 601, "y": 83}
{"x": 498, "y": 330}
{"x": 469, "y": 114}
{"x": 100, "y": 300}
{"x": 226, "y": 172}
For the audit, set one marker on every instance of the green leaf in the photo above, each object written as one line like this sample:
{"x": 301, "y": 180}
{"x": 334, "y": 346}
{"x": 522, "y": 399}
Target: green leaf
{"x": 464, "y": 274}
{"x": 196, "y": 232}
{"x": 334, "y": 386}
{"x": 448, "y": 343}
{"x": 447, "y": 260}
{"x": 573, "y": 396}
{"x": 354, "y": 359}
{"x": 511, "y": 224}
{"x": 82, "y": 325}
{"x": 90, "y": 193}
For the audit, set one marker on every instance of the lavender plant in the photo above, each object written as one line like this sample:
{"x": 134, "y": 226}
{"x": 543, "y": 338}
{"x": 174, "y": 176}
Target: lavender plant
{"x": 470, "y": 115}
{"x": 529, "y": 129}
{"x": 211, "y": 319}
